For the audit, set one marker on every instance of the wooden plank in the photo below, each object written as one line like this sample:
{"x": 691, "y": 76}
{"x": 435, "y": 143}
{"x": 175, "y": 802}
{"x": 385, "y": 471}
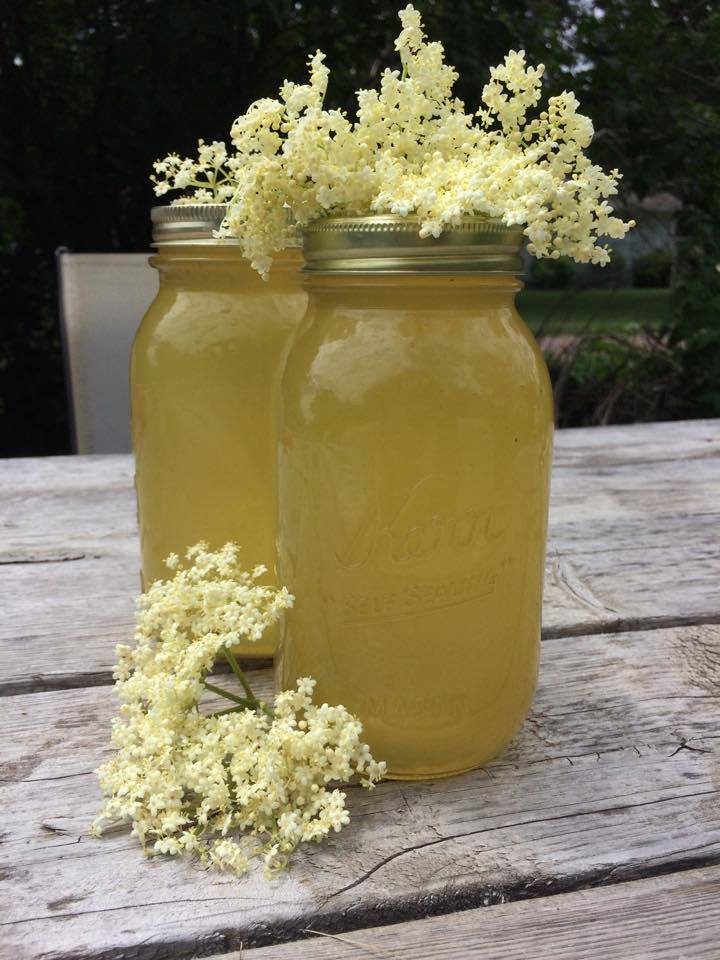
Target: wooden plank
{"x": 614, "y": 777}
{"x": 637, "y": 443}
{"x": 634, "y": 543}
{"x": 89, "y": 499}
{"x": 633, "y": 546}
{"x": 62, "y": 508}
{"x": 663, "y": 918}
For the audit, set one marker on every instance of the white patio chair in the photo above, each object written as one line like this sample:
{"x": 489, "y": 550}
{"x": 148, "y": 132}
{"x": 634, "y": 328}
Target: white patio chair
{"x": 103, "y": 297}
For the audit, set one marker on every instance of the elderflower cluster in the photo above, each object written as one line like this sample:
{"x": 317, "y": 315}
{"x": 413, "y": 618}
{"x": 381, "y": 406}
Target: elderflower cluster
{"x": 235, "y": 784}
{"x": 414, "y": 150}
{"x": 212, "y": 177}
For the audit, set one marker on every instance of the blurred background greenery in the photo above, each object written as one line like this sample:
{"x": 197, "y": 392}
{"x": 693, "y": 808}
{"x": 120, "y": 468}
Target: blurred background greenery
{"x": 92, "y": 91}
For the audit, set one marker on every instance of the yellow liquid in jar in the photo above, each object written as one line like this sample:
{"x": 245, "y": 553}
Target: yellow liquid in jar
{"x": 414, "y": 466}
{"x": 204, "y": 380}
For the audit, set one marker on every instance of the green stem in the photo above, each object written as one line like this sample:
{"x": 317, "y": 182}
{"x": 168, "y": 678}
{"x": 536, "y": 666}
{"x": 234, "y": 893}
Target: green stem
{"x": 237, "y": 670}
{"x": 250, "y": 701}
{"x": 226, "y": 693}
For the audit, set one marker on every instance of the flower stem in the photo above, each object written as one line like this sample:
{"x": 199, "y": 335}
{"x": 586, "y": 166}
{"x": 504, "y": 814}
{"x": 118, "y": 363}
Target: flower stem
{"x": 236, "y": 669}
{"x": 250, "y": 701}
{"x": 228, "y": 695}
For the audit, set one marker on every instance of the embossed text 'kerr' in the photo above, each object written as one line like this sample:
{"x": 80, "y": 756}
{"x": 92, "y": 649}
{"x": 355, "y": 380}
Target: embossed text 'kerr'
{"x": 408, "y": 536}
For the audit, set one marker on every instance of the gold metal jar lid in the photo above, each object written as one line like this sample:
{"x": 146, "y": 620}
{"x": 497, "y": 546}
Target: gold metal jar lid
{"x": 392, "y": 244}
{"x": 191, "y": 223}
{"x": 188, "y": 222}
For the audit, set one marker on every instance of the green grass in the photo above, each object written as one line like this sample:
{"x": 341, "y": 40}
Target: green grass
{"x": 624, "y": 311}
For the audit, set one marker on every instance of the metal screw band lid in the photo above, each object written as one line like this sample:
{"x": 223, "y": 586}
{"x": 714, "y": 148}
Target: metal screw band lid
{"x": 187, "y": 222}
{"x": 191, "y": 223}
{"x": 392, "y": 244}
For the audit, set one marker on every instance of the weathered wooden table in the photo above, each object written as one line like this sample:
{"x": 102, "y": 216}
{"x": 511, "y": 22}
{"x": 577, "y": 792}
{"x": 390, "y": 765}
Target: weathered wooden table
{"x": 596, "y": 834}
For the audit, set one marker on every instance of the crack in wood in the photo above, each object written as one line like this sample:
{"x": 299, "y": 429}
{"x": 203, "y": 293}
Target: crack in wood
{"x": 63, "y": 776}
{"x": 53, "y": 829}
{"x": 684, "y": 745}
{"x": 507, "y": 826}
{"x": 14, "y": 561}
{"x": 154, "y": 903}
{"x": 226, "y": 940}
{"x": 49, "y": 683}
{"x": 104, "y": 678}
{"x": 442, "y": 904}
{"x": 679, "y": 696}
{"x": 631, "y": 625}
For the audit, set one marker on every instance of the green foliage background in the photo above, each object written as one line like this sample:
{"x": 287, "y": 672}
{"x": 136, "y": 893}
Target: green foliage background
{"x": 91, "y": 92}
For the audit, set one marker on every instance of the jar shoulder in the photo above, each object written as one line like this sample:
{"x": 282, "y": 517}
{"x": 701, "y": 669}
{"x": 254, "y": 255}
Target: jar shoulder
{"x": 179, "y": 322}
{"x": 462, "y": 357}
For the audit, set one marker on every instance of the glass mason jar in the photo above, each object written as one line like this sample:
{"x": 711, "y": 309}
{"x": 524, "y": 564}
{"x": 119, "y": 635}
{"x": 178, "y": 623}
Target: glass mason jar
{"x": 204, "y": 378}
{"x": 414, "y": 467}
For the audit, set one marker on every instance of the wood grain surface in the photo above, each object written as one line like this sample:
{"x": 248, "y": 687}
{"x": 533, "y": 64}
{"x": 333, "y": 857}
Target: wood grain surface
{"x": 595, "y": 835}
{"x": 614, "y": 777}
{"x": 634, "y": 543}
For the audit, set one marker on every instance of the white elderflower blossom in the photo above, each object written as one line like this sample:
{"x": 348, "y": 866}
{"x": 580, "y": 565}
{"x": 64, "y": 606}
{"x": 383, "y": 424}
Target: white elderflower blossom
{"x": 212, "y": 176}
{"x": 239, "y": 783}
{"x": 414, "y": 150}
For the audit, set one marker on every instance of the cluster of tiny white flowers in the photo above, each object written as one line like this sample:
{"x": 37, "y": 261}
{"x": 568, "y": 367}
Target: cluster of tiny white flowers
{"x": 414, "y": 150}
{"x": 212, "y": 177}
{"x": 239, "y": 783}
